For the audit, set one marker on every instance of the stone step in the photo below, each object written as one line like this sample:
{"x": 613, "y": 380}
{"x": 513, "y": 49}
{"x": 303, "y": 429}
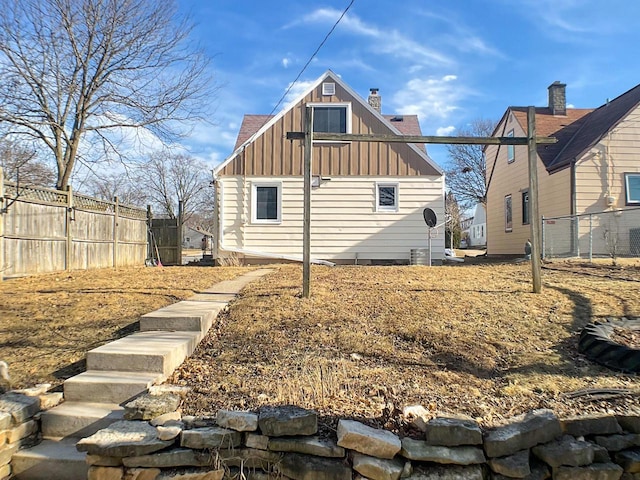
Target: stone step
{"x": 108, "y": 386}
{"x": 79, "y": 419}
{"x": 188, "y": 315}
{"x": 153, "y": 351}
{"x": 50, "y": 460}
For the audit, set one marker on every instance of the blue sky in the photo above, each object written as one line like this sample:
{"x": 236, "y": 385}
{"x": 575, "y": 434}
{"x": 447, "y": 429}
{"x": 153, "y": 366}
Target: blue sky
{"x": 449, "y": 62}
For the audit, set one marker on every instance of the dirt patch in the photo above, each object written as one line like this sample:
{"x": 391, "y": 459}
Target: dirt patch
{"x": 49, "y": 322}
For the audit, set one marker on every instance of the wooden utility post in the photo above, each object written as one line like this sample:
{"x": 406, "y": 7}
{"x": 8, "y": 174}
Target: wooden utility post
{"x": 534, "y": 221}
{"x": 306, "y": 218}
{"x": 530, "y": 140}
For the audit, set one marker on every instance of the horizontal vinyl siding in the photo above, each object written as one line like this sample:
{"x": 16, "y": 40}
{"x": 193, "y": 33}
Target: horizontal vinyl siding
{"x": 344, "y": 221}
{"x": 600, "y": 172}
{"x": 554, "y": 195}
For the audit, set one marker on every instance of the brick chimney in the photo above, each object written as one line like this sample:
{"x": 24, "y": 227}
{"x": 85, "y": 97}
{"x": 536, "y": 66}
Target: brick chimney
{"x": 375, "y": 100}
{"x": 558, "y": 98}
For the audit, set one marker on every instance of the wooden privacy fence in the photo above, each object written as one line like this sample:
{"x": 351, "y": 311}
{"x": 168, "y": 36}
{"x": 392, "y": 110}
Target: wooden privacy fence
{"x": 44, "y": 230}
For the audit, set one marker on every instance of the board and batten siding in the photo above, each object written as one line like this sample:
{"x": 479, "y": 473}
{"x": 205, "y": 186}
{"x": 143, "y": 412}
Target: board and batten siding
{"x": 600, "y": 172}
{"x": 344, "y": 222}
{"x": 271, "y": 154}
{"x": 554, "y": 196}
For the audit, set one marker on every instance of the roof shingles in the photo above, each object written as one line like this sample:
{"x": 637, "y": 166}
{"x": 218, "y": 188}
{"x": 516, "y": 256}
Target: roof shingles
{"x": 578, "y": 130}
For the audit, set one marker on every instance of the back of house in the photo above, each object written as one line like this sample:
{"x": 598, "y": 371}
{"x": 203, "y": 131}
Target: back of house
{"x": 367, "y": 198}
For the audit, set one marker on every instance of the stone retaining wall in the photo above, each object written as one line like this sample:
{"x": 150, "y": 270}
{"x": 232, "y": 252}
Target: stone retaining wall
{"x": 19, "y": 421}
{"x": 156, "y": 442}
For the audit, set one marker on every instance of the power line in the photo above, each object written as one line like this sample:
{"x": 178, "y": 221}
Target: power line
{"x": 312, "y": 57}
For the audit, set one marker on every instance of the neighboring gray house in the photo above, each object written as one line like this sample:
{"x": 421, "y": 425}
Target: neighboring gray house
{"x": 192, "y": 237}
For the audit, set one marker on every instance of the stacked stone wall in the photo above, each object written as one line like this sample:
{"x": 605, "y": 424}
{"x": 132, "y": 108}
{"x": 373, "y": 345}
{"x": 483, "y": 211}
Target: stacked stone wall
{"x": 156, "y": 442}
{"x": 20, "y": 421}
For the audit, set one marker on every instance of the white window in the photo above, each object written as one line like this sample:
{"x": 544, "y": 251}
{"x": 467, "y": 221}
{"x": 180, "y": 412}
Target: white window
{"x": 511, "y": 149}
{"x": 266, "y": 202}
{"x": 508, "y": 214}
{"x": 331, "y": 117}
{"x": 632, "y": 188}
{"x": 387, "y": 197}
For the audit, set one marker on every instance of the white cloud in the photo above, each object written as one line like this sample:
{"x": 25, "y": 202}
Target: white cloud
{"x": 445, "y": 131}
{"x": 390, "y": 42}
{"x": 434, "y": 97}
{"x": 285, "y": 62}
{"x": 297, "y": 90}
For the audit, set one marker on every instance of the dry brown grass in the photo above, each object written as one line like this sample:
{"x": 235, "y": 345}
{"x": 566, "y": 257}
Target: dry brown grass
{"x": 468, "y": 339}
{"x": 49, "y": 322}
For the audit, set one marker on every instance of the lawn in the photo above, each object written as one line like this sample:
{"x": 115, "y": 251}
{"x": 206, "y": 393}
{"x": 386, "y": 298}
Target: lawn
{"x": 469, "y": 339}
{"x": 49, "y": 322}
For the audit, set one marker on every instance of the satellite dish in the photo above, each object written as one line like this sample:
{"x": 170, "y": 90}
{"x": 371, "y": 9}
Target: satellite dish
{"x": 430, "y": 217}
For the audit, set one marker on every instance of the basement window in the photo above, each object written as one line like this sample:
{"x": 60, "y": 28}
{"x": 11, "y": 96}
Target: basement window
{"x": 632, "y": 188}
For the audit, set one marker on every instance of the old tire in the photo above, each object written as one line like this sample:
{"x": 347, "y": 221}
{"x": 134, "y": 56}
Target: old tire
{"x": 595, "y": 342}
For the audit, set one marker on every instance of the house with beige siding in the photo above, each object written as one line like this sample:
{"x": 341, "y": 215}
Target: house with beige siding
{"x": 594, "y": 167}
{"x": 367, "y": 198}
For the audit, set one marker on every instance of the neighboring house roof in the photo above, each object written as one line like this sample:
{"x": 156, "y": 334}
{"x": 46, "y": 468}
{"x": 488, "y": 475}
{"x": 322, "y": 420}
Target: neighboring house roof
{"x": 254, "y": 125}
{"x": 579, "y": 130}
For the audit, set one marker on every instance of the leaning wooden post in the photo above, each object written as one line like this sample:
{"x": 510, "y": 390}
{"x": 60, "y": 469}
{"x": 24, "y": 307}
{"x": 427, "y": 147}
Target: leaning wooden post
{"x": 533, "y": 200}
{"x": 306, "y": 219}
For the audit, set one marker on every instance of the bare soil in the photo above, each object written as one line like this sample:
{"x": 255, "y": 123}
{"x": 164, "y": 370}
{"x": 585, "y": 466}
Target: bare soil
{"x": 466, "y": 338}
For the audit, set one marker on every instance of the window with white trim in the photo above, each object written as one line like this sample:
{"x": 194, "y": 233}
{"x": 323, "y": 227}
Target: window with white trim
{"x": 508, "y": 214}
{"x": 387, "y": 197}
{"x": 632, "y": 188}
{"x": 331, "y": 117}
{"x": 511, "y": 149}
{"x": 266, "y": 202}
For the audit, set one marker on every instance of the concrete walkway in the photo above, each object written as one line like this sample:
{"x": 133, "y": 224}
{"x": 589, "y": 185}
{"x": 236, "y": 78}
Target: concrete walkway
{"x": 116, "y": 373}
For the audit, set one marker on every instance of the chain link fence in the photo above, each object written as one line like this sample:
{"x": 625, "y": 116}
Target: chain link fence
{"x": 613, "y": 234}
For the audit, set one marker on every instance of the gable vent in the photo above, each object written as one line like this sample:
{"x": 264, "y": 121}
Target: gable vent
{"x": 328, "y": 88}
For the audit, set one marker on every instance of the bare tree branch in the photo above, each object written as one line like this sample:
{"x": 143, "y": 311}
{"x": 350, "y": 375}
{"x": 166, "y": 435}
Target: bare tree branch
{"x": 76, "y": 68}
{"x": 466, "y": 172}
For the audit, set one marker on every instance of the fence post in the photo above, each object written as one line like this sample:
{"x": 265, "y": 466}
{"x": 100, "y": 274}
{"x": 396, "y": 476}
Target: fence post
{"x": 590, "y": 238}
{"x": 2, "y": 220}
{"x": 149, "y": 233}
{"x": 116, "y": 213}
{"x": 68, "y": 218}
{"x": 179, "y": 233}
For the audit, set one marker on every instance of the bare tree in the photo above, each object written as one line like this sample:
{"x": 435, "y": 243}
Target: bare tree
{"x": 170, "y": 178}
{"x": 74, "y": 73}
{"x": 466, "y": 170}
{"x": 121, "y": 185}
{"x": 21, "y": 165}
{"x": 453, "y": 231}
